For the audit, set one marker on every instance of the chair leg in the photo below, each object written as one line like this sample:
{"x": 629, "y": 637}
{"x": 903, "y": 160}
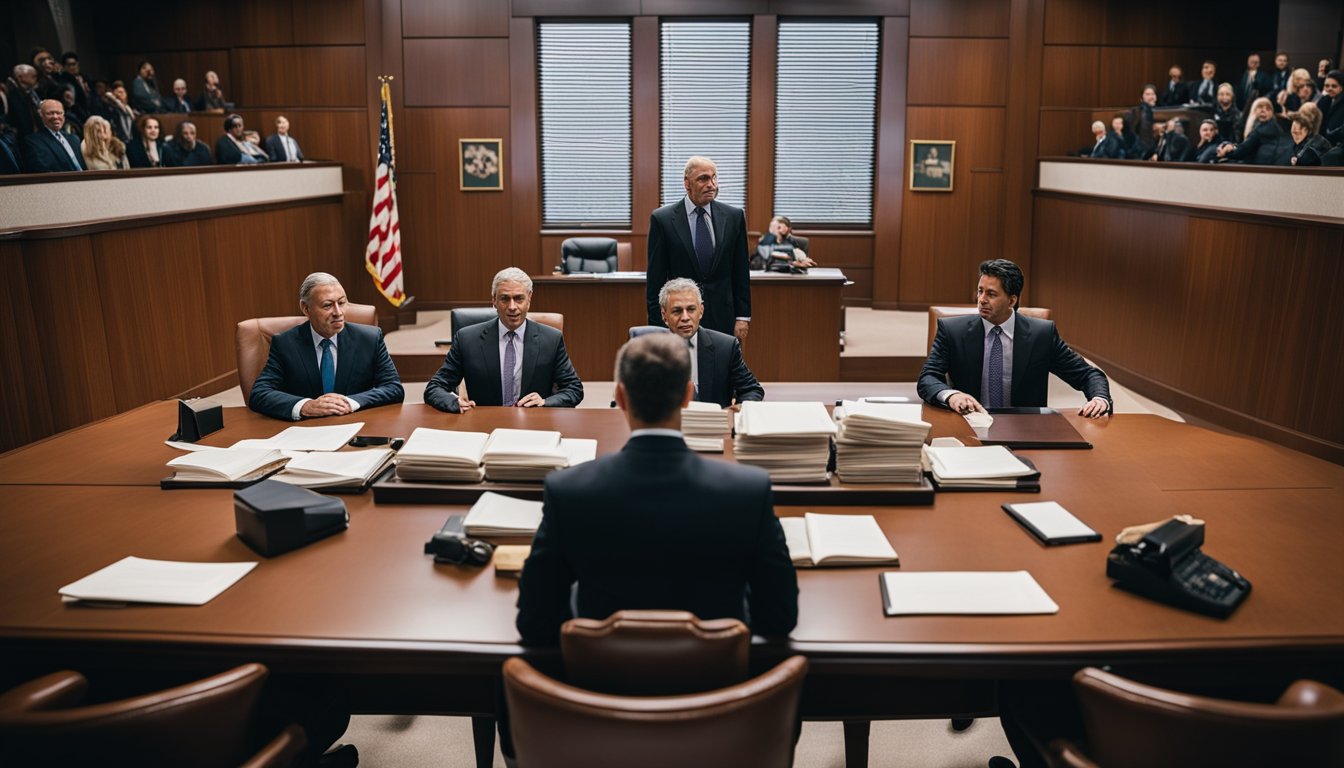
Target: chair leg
{"x": 856, "y": 743}
{"x": 483, "y": 736}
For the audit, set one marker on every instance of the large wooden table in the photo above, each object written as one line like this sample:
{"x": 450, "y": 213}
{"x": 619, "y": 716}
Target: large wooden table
{"x": 367, "y": 609}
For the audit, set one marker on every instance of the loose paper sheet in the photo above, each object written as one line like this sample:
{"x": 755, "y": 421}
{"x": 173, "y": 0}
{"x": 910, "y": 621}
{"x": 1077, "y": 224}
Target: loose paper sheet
{"x": 137, "y": 580}
{"x": 964, "y": 593}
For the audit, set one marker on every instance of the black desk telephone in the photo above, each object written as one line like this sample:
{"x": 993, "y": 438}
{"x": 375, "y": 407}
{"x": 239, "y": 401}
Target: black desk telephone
{"x": 1166, "y": 565}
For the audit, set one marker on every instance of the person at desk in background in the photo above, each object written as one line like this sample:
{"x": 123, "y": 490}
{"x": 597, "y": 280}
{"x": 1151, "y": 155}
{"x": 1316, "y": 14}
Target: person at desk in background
{"x": 700, "y": 238}
{"x": 507, "y": 361}
{"x": 717, "y": 369}
{"x": 781, "y": 233}
{"x": 326, "y": 366}
{"x": 1002, "y": 357}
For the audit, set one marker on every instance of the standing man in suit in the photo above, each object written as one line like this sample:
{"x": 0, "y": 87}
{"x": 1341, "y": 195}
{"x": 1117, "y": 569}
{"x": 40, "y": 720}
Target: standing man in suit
{"x": 700, "y": 238}
{"x": 1002, "y": 358}
{"x": 1253, "y": 83}
{"x": 1176, "y": 92}
{"x": 282, "y": 147}
{"x": 509, "y": 360}
{"x": 1207, "y": 90}
{"x": 717, "y": 368}
{"x": 326, "y": 366}
{"x": 1280, "y": 78}
{"x": 48, "y": 149}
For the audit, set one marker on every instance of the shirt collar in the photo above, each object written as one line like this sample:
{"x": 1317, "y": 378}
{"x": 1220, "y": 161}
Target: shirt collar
{"x": 657, "y": 433}
{"x": 1007, "y": 326}
{"x": 690, "y": 207}
{"x": 503, "y": 330}
{"x": 317, "y": 337}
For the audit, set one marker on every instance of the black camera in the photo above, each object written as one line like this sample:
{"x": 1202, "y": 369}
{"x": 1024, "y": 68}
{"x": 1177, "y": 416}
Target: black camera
{"x": 451, "y": 545}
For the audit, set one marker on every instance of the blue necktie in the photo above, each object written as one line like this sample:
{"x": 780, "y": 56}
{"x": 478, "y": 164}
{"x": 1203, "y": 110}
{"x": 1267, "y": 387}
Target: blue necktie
{"x": 995, "y": 394}
{"x": 704, "y": 243}
{"x": 328, "y": 368}
{"x": 510, "y": 360}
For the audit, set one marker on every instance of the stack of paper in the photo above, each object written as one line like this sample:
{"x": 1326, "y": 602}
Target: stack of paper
{"x": 815, "y": 540}
{"x": 529, "y": 455}
{"x": 704, "y": 425}
{"x": 879, "y": 442}
{"x": 494, "y": 514}
{"x": 320, "y": 469}
{"x": 226, "y": 465}
{"x": 791, "y": 441}
{"x": 976, "y": 467}
{"x": 136, "y": 580}
{"x": 442, "y": 455}
{"x": 331, "y": 438}
{"x": 965, "y": 593}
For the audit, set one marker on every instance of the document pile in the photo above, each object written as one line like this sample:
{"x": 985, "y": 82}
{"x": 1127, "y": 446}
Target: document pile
{"x": 222, "y": 466}
{"x": 442, "y": 455}
{"x": 494, "y": 514}
{"x": 989, "y": 467}
{"x": 341, "y": 469}
{"x": 530, "y": 454}
{"x": 791, "y": 441}
{"x": 879, "y": 442}
{"x": 704, "y": 425}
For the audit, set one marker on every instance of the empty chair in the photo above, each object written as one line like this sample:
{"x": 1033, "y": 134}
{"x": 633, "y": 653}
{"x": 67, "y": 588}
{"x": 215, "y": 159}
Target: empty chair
{"x": 955, "y": 310}
{"x": 253, "y": 340}
{"x": 211, "y": 722}
{"x": 640, "y": 330}
{"x": 588, "y": 254}
{"x": 654, "y": 653}
{"x": 1129, "y": 723}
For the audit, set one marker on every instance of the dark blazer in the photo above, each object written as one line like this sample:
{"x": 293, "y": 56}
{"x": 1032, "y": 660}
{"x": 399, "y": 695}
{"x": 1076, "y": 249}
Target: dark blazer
{"x": 1268, "y": 144}
{"x": 135, "y": 152}
{"x": 959, "y": 350}
{"x": 1208, "y": 153}
{"x": 1173, "y": 95}
{"x": 364, "y": 371}
{"x": 9, "y": 156}
{"x": 1310, "y": 151}
{"x": 727, "y": 287}
{"x": 723, "y": 374}
{"x": 1229, "y": 123}
{"x": 1199, "y": 93}
{"x": 1109, "y": 147}
{"x": 1277, "y": 80}
{"x": 1332, "y": 119}
{"x": 1176, "y": 149}
{"x": 475, "y": 357}
{"x": 1249, "y": 87}
{"x": 276, "y": 150}
{"x": 226, "y": 152}
{"x": 42, "y": 153}
{"x": 175, "y": 157}
{"x": 173, "y": 104}
{"x": 797, "y": 242}
{"x": 655, "y": 526}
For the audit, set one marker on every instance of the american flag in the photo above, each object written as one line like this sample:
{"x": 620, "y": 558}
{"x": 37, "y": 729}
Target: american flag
{"x": 382, "y": 256}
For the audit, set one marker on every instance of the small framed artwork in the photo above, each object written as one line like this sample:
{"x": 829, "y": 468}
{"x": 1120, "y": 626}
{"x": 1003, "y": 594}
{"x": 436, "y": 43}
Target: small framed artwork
{"x": 932, "y": 165}
{"x": 482, "y": 164}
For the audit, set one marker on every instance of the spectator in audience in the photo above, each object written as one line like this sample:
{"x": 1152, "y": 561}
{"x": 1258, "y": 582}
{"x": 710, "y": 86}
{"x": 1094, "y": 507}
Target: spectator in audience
{"x": 781, "y": 233}
{"x": 1207, "y": 149}
{"x": 147, "y": 149}
{"x": 1141, "y": 119}
{"x": 75, "y": 115}
{"x": 1105, "y": 146}
{"x": 212, "y": 98}
{"x": 233, "y": 149}
{"x": 1332, "y": 107}
{"x": 1176, "y": 93}
{"x": 184, "y": 149}
{"x": 1312, "y": 113}
{"x": 118, "y": 112}
{"x": 145, "y": 95}
{"x": 24, "y": 100}
{"x": 83, "y": 89}
{"x": 48, "y": 72}
{"x": 1308, "y": 146}
{"x": 1252, "y": 84}
{"x": 1322, "y": 69}
{"x": 1159, "y": 143}
{"x": 179, "y": 101}
{"x": 1174, "y": 147}
{"x": 282, "y": 147}
{"x": 103, "y": 151}
{"x": 48, "y": 149}
{"x": 253, "y": 138}
{"x": 9, "y": 151}
{"x": 1281, "y": 76}
{"x": 1301, "y": 89}
{"x": 1265, "y": 143}
{"x": 1227, "y": 115}
{"x": 1207, "y": 90}
{"x": 1125, "y": 139}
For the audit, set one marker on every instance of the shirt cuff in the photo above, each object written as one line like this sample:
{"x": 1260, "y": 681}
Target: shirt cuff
{"x": 946, "y": 395}
{"x": 743, "y": 319}
{"x": 296, "y": 413}
{"x": 354, "y": 405}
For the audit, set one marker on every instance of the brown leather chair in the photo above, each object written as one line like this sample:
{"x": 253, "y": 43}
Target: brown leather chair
{"x": 253, "y": 338}
{"x": 463, "y": 316}
{"x": 1129, "y": 723}
{"x": 956, "y": 310}
{"x": 210, "y": 722}
{"x": 654, "y": 653}
{"x": 560, "y": 726}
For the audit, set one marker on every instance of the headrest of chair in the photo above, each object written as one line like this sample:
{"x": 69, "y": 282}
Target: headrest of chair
{"x": 640, "y": 330}
{"x": 654, "y": 653}
{"x": 588, "y": 254}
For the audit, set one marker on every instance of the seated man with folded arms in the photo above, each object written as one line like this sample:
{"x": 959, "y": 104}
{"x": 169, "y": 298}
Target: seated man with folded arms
{"x": 507, "y": 361}
{"x": 717, "y": 369}
{"x": 1002, "y": 358}
{"x": 326, "y": 366}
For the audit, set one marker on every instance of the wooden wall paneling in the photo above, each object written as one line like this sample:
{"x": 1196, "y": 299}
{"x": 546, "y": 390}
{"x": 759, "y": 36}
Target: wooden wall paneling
{"x": 426, "y": 262}
{"x": 1022, "y": 121}
{"x": 1315, "y": 407}
{"x": 336, "y": 134}
{"x": 354, "y": 236}
{"x": 457, "y": 72}
{"x": 530, "y": 8}
{"x": 889, "y": 175}
{"x": 846, "y": 8}
{"x": 761, "y": 117}
{"x": 646, "y": 137}
{"x": 463, "y": 18}
{"x": 1069, "y": 76}
{"x": 25, "y": 411}
{"x": 704, "y": 7}
{"x": 158, "y": 24}
{"x": 258, "y": 80}
{"x": 525, "y": 168}
{"x": 1074, "y": 22}
{"x": 959, "y": 18}
{"x": 1120, "y": 76}
{"x": 328, "y": 22}
{"x": 848, "y": 251}
{"x": 261, "y": 22}
{"x": 1067, "y": 131}
{"x": 327, "y": 76}
{"x": 1158, "y": 23}
{"x": 958, "y": 71}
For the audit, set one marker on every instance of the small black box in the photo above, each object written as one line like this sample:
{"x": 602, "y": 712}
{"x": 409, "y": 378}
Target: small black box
{"x": 274, "y": 517}
{"x": 198, "y": 418}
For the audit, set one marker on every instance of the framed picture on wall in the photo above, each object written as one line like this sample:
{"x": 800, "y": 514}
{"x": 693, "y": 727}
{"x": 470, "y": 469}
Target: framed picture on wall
{"x": 481, "y": 164}
{"x": 932, "y": 165}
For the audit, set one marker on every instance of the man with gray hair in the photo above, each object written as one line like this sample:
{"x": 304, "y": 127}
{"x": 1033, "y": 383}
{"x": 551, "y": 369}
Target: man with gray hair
{"x": 179, "y": 102}
{"x": 507, "y": 361}
{"x": 23, "y": 100}
{"x": 717, "y": 368}
{"x": 326, "y": 366}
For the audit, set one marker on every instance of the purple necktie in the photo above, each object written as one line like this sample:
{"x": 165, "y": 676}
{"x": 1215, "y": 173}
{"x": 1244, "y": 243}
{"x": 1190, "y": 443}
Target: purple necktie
{"x": 704, "y": 243}
{"x": 995, "y": 394}
{"x": 510, "y": 359}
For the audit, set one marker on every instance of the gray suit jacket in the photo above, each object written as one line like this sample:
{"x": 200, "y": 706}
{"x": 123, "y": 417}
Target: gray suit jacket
{"x": 723, "y": 374}
{"x": 727, "y": 286}
{"x": 475, "y": 357}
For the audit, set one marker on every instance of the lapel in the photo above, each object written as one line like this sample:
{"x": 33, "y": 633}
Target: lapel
{"x": 61, "y": 156}
{"x": 531, "y": 348}
{"x": 704, "y": 360}
{"x": 1021, "y": 356}
{"x": 308, "y": 357}
{"x": 489, "y": 341}
{"x": 683, "y": 230}
{"x": 973, "y": 354}
{"x": 347, "y": 352}
{"x": 720, "y": 222}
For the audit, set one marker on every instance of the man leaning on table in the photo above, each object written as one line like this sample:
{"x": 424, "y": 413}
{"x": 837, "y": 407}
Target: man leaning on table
{"x": 509, "y": 360}
{"x": 326, "y": 366}
{"x": 717, "y": 369}
{"x": 1000, "y": 358}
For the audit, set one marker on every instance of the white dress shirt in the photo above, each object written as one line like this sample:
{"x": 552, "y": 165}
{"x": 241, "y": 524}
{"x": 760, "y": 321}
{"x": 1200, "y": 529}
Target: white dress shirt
{"x": 295, "y": 413}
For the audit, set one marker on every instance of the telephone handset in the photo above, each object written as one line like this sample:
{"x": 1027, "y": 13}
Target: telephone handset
{"x": 1166, "y": 565}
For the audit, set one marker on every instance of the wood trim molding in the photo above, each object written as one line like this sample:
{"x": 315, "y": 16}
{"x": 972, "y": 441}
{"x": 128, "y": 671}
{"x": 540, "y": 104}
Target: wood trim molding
{"x": 112, "y": 225}
{"x": 50, "y": 178}
{"x": 1202, "y": 211}
{"x": 889, "y": 175}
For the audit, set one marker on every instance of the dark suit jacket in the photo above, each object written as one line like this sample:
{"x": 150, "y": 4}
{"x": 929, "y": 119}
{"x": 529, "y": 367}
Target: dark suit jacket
{"x": 475, "y": 357}
{"x": 9, "y": 156}
{"x": 174, "y": 157}
{"x": 1197, "y": 92}
{"x": 42, "y": 153}
{"x": 1173, "y": 96}
{"x": 727, "y": 287}
{"x": 1208, "y": 153}
{"x": 959, "y": 351}
{"x": 364, "y": 371}
{"x": 1248, "y": 88}
{"x": 1176, "y": 149}
{"x": 1268, "y": 144}
{"x": 226, "y": 152}
{"x": 655, "y": 526}
{"x": 135, "y": 152}
{"x": 722, "y": 372}
{"x": 1110, "y": 147}
{"x": 1332, "y": 120}
{"x": 276, "y": 150}
{"x": 172, "y": 104}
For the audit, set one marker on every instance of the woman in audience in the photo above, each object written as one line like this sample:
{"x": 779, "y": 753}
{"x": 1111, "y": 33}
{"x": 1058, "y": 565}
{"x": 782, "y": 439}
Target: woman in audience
{"x": 781, "y": 233}
{"x": 1265, "y": 143}
{"x": 118, "y": 112}
{"x": 184, "y": 149}
{"x": 1226, "y": 114}
{"x": 146, "y": 151}
{"x": 1207, "y": 149}
{"x": 1308, "y": 146}
{"x": 102, "y": 151}
{"x": 1301, "y": 90}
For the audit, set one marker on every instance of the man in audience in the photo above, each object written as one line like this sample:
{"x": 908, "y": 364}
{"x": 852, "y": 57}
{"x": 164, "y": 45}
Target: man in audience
{"x": 1227, "y": 115}
{"x": 1176, "y": 93}
{"x": 179, "y": 102}
{"x": 1252, "y": 84}
{"x": 326, "y": 366}
{"x": 49, "y": 149}
{"x": 118, "y": 112}
{"x": 1207, "y": 90}
{"x": 282, "y": 147}
{"x": 184, "y": 149}
{"x": 212, "y": 98}
{"x": 24, "y": 100}
{"x": 1174, "y": 147}
{"x": 1141, "y": 120}
{"x": 1125, "y": 140}
{"x": 509, "y": 360}
{"x": 718, "y": 371}
{"x": 1003, "y": 358}
{"x": 1207, "y": 150}
{"x": 72, "y": 75}
{"x": 48, "y": 74}
{"x": 233, "y": 148}
{"x": 1332, "y": 107}
{"x": 9, "y": 151}
{"x": 145, "y": 95}
{"x": 1279, "y": 78}
{"x": 1107, "y": 145}
{"x": 705, "y": 240}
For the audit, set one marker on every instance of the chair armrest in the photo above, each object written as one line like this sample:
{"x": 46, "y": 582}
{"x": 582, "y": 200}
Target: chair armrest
{"x": 54, "y": 691}
{"x": 1062, "y": 753}
{"x": 281, "y": 751}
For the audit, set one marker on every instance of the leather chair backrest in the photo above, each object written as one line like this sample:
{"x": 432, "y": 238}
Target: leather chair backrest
{"x": 654, "y": 653}
{"x": 1129, "y": 723}
{"x": 560, "y": 726}
{"x": 210, "y": 722}
{"x": 956, "y": 310}
{"x": 253, "y": 340}
{"x": 640, "y": 330}
{"x": 588, "y": 254}
{"x": 464, "y": 316}
{"x": 625, "y": 259}
{"x": 801, "y": 242}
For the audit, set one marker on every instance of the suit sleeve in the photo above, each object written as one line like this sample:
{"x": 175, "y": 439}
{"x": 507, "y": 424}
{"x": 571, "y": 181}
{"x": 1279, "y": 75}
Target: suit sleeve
{"x": 740, "y": 267}
{"x": 544, "y": 587}
{"x": 1074, "y": 370}
{"x": 773, "y": 584}
{"x": 568, "y": 386}
{"x": 744, "y": 384}
{"x": 386, "y": 388}
{"x": 441, "y": 392}
{"x": 267, "y": 396}
{"x": 657, "y": 269}
{"x": 273, "y": 149}
{"x": 933, "y": 377}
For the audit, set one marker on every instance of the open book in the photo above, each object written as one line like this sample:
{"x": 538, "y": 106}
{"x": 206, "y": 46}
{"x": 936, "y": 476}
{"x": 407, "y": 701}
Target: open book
{"x": 329, "y": 438}
{"x": 816, "y": 540}
{"x": 341, "y": 469}
{"x": 230, "y": 467}
{"x": 495, "y": 514}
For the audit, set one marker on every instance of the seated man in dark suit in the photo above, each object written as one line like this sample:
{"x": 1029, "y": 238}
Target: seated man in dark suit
{"x": 326, "y": 366}
{"x": 1177, "y": 91}
{"x": 282, "y": 147}
{"x": 1003, "y": 358}
{"x": 717, "y": 369}
{"x": 507, "y": 361}
{"x": 48, "y": 149}
{"x": 184, "y": 149}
